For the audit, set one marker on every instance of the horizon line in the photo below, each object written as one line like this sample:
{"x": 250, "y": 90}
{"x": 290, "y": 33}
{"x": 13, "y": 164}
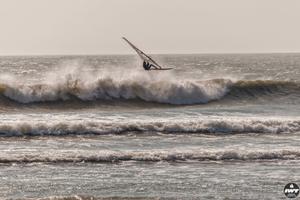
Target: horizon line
{"x": 127, "y": 54}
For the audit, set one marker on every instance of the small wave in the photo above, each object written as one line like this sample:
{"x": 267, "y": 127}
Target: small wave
{"x": 256, "y": 88}
{"x": 80, "y": 197}
{"x": 215, "y": 127}
{"x": 153, "y": 156}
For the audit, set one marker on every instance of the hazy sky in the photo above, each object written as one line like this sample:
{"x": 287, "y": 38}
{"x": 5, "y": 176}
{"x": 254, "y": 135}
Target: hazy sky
{"x": 156, "y": 26}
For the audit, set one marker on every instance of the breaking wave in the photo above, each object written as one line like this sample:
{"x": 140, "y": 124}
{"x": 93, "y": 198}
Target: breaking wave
{"x": 153, "y": 156}
{"x": 177, "y": 92}
{"x": 214, "y": 127}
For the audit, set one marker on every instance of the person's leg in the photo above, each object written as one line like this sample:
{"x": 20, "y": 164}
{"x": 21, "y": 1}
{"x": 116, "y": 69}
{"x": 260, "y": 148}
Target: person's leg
{"x": 153, "y": 66}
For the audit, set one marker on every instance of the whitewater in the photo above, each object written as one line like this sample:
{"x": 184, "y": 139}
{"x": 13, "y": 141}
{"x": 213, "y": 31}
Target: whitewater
{"x": 148, "y": 87}
{"x": 82, "y": 127}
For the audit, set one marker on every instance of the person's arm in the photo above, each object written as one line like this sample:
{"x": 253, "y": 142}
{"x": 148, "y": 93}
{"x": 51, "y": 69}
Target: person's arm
{"x": 154, "y": 66}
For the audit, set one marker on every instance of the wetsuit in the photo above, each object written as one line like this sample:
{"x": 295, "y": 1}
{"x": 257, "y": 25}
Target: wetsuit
{"x": 146, "y": 65}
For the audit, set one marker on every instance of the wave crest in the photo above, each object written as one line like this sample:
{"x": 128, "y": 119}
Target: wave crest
{"x": 169, "y": 127}
{"x": 154, "y": 156}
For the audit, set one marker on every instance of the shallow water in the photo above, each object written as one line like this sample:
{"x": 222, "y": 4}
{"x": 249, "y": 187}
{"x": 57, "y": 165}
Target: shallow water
{"x": 192, "y": 180}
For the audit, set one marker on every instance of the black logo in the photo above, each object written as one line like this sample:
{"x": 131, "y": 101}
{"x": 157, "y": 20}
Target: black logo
{"x": 291, "y": 190}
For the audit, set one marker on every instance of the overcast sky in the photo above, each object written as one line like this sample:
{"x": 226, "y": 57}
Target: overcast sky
{"x": 156, "y": 26}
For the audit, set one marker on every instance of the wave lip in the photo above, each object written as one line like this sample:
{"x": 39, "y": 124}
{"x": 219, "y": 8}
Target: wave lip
{"x": 201, "y": 126}
{"x": 154, "y": 156}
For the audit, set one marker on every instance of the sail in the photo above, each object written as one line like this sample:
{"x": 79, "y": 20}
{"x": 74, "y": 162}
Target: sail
{"x": 142, "y": 55}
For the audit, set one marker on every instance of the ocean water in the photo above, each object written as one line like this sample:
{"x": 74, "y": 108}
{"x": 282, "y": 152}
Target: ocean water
{"x": 100, "y": 127}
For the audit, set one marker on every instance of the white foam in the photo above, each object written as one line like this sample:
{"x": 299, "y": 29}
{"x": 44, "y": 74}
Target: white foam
{"x": 201, "y": 126}
{"x": 153, "y": 155}
{"x": 147, "y": 86}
